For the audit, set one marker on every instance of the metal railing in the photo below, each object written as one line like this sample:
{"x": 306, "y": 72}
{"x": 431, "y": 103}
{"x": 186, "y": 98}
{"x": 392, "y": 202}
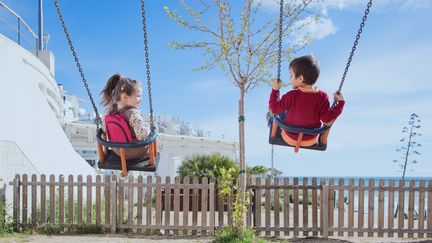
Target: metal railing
{"x": 18, "y": 28}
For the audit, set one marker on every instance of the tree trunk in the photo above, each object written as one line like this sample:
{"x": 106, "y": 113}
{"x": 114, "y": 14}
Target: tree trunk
{"x": 242, "y": 183}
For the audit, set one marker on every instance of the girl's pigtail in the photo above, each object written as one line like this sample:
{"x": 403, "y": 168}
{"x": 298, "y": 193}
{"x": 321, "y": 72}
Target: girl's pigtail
{"x": 107, "y": 92}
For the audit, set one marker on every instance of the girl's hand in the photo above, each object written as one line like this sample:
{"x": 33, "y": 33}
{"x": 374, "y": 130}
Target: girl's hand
{"x": 338, "y": 96}
{"x": 276, "y": 84}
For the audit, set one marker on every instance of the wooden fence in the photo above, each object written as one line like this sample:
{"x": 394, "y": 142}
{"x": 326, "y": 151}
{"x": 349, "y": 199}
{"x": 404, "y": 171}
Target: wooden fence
{"x": 306, "y": 207}
{"x": 114, "y": 205}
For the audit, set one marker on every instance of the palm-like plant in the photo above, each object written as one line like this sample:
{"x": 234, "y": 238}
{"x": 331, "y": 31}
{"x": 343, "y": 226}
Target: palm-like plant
{"x": 205, "y": 166}
{"x": 409, "y": 145}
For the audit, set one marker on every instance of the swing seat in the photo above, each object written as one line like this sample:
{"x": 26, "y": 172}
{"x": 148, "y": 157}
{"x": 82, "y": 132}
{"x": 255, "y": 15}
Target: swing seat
{"x": 113, "y": 162}
{"x": 275, "y": 134}
{"x": 110, "y": 160}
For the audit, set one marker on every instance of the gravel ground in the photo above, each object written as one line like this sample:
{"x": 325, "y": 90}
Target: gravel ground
{"x": 148, "y": 239}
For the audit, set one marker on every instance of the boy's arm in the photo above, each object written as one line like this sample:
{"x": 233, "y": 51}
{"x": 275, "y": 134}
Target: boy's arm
{"x": 278, "y": 106}
{"x": 329, "y": 114}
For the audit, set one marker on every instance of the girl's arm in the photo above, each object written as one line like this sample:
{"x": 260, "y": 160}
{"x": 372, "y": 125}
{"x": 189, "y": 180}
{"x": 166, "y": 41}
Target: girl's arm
{"x": 137, "y": 123}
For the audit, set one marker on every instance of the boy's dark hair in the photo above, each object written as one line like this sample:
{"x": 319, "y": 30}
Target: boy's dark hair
{"x": 307, "y": 66}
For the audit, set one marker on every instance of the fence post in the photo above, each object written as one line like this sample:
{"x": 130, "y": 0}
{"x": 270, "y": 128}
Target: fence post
{"x": 325, "y": 214}
{"x": 212, "y": 208}
{"x": 16, "y": 203}
{"x": 113, "y": 200}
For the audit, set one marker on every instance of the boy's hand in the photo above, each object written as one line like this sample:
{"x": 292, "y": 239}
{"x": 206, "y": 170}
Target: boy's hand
{"x": 276, "y": 84}
{"x": 338, "y": 96}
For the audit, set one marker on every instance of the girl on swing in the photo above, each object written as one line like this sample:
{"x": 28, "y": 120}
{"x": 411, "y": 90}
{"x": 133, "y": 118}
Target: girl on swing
{"x": 305, "y": 105}
{"x": 121, "y": 98}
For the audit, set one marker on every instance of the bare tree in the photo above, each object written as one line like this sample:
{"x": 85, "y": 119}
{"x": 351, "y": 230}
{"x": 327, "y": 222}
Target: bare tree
{"x": 409, "y": 145}
{"x": 244, "y": 45}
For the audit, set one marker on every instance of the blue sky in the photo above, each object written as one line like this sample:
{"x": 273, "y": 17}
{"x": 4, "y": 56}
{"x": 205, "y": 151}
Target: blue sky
{"x": 388, "y": 80}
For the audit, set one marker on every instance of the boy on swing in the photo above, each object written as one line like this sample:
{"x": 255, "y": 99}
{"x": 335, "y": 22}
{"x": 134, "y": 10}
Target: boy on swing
{"x": 305, "y": 105}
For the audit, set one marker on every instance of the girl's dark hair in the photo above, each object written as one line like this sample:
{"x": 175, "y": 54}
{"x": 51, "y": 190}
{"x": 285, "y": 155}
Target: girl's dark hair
{"x": 308, "y": 66}
{"x": 115, "y": 86}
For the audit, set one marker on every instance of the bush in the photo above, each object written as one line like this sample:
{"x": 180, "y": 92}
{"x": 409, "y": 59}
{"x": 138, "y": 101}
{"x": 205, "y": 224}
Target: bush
{"x": 229, "y": 236}
{"x": 6, "y": 224}
{"x": 205, "y": 166}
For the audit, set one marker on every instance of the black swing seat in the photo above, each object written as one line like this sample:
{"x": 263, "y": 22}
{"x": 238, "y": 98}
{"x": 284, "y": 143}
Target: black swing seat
{"x": 112, "y": 162}
{"x": 278, "y": 140}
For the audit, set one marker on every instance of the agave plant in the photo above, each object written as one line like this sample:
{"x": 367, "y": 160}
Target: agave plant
{"x": 409, "y": 147}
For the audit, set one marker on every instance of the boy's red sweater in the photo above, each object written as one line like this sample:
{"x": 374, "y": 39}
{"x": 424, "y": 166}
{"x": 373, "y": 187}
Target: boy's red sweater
{"x": 304, "y": 109}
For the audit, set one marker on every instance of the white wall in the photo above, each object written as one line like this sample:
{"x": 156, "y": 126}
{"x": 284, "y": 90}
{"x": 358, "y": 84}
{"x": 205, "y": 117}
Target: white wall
{"x": 28, "y": 120}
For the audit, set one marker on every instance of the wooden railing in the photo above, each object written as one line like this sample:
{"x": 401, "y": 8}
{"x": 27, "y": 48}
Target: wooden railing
{"x": 279, "y": 207}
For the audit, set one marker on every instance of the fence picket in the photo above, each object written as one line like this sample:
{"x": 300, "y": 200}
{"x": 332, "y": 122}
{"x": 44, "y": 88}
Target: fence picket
{"x": 257, "y": 215}
{"x": 204, "y": 194}
{"x": 43, "y": 199}
{"x": 24, "y": 199}
{"x": 186, "y": 204}
{"x": 267, "y": 206}
{"x": 70, "y": 199}
{"x": 33, "y": 201}
{"x": 371, "y": 208}
{"x": 167, "y": 202}
{"x": 305, "y": 204}
{"x": 80, "y": 200}
{"x": 390, "y": 220}
{"x": 331, "y": 206}
{"x": 296, "y": 207}
{"x": 107, "y": 196}
{"x": 276, "y": 206}
{"x": 421, "y": 208}
{"x": 52, "y": 199}
{"x": 212, "y": 207}
{"x": 130, "y": 200}
{"x": 401, "y": 207}
{"x": 176, "y": 201}
{"x": 351, "y": 207}
{"x": 314, "y": 207}
{"x": 61, "y": 207}
{"x": 429, "y": 211}
{"x": 140, "y": 203}
{"x": 98, "y": 199}
{"x": 341, "y": 206}
{"x": 120, "y": 201}
{"x": 195, "y": 205}
{"x": 89, "y": 200}
{"x": 411, "y": 209}
{"x": 381, "y": 208}
{"x": 158, "y": 203}
{"x": 360, "y": 215}
{"x": 286, "y": 206}
{"x": 149, "y": 198}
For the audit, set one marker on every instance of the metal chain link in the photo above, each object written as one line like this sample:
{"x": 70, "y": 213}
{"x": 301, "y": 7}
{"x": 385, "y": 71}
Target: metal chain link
{"x": 98, "y": 119}
{"x": 280, "y": 39}
{"x": 152, "y": 127}
{"x": 360, "y": 30}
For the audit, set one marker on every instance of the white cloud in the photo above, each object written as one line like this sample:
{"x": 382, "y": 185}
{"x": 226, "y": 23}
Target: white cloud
{"x": 318, "y": 29}
{"x": 404, "y": 5}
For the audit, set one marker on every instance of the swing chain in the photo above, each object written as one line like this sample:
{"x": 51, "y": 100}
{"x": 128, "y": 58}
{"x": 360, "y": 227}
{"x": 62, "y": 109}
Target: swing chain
{"x": 152, "y": 126}
{"x": 360, "y": 30}
{"x": 98, "y": 119}
{"x": 280, "y": 39}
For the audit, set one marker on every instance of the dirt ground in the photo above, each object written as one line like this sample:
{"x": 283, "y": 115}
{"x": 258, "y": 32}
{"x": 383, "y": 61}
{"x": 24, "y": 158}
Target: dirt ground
{"x": 148, "y": 239}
